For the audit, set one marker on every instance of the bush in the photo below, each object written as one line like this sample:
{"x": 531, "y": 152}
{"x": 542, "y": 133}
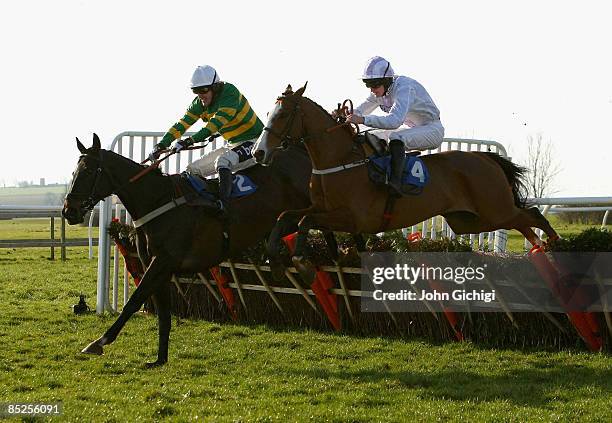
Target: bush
{"x": 589, "y": 240}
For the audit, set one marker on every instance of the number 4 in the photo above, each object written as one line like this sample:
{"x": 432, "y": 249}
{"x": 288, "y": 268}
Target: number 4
{"x": 417, "y": 171}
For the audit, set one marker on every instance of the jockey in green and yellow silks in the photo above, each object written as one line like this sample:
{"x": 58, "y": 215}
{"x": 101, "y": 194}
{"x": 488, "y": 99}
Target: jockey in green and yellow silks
{"x": 225, "y": 111}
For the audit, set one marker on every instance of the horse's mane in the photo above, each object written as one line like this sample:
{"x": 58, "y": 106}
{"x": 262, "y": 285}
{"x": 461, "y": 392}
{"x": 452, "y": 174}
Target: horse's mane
{"x": 156, "y": 172}
{"x": 321, "y": 108}
{"x": 347, "y": 129}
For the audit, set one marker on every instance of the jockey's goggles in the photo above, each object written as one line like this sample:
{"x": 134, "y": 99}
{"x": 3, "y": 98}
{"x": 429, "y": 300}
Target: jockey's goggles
{"x": 202, "y": 90}
{"x": 373, "y": 83}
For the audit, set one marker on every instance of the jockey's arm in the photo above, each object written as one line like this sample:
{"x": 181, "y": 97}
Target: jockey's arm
{"x": 366, "y": 107}
{"x": 179, "y": 128}
{"x": 396, "y": 116}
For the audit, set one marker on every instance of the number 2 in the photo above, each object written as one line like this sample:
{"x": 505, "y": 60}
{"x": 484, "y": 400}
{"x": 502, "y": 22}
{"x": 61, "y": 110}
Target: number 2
{"x": 240, "y": 184}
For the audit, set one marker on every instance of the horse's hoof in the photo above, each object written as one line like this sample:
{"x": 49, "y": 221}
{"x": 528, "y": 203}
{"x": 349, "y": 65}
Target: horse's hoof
{"x": 304, "y": 268}
{"x": 155, "y": 364}
{"x": 278, "y": 271}
{"x": 93, "y": 348}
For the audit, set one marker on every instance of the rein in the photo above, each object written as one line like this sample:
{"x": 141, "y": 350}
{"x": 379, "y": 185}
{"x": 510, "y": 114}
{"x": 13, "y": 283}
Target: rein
{"x": 339, "y": 168}
{"x": 91, "y": 199}
{"x": 172, "y": 151}
{"x": 285, "y": 137}
{"x": 343, "y": 111}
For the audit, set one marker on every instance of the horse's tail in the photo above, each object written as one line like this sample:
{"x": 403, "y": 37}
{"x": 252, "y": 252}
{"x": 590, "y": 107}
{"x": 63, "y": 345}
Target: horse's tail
{"x": 515, "y": 175}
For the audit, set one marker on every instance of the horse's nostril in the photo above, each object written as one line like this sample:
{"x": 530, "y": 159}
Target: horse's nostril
{"x": 259, "y": 155}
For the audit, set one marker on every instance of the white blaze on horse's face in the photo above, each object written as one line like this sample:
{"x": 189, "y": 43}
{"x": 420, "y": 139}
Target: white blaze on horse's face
{"x": 262, "y": 150}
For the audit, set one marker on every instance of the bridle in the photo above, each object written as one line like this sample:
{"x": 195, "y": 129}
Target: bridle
{"x": 93, "y": 197}
{"x": 90, "y": 199}
{"x": 284, "y": 135}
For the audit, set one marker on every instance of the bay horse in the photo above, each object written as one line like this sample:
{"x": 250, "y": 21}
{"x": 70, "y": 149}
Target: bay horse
{"x": 475, "y": 191}
{"x": 184, "y": 239}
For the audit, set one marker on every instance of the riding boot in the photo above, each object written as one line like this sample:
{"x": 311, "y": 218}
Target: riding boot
{"x": 398, "y": 158}
{"x": 225, "y": 189}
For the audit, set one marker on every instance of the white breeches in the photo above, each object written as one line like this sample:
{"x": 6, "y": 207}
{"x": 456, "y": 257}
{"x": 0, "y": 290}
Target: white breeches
{"x": 424, "y": 137}
{"x": 222, "y": 157}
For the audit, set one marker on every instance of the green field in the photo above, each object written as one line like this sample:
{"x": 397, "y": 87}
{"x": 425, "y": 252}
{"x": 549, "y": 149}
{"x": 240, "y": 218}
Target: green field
{"x": 34, "y": 195}
{"x": 229, "y": 372}
{"x": 40, "y": 228}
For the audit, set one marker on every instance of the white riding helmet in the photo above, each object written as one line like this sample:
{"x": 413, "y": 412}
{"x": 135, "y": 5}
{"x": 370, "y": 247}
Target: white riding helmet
{"x": 204, "y": 76}
{"x": 377, "y": 67}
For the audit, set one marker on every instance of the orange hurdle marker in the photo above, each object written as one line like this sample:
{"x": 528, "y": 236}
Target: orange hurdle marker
{"x": 226, "y": 292}
{"x": 322, "y": 286}
{"x": 585, "y": 323}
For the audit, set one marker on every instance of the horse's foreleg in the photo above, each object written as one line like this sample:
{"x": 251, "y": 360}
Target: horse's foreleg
{"x": 334, "y": 220}
{"x": 286, "y": 224}
{"x": 164, "y": 319}
{"x": 156, "y": 274}
{"x": 339, "y": 219}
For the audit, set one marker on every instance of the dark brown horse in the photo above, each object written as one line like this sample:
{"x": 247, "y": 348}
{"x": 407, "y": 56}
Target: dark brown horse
{"x": 475, "y": 191}
{"x": 185, "y": 239}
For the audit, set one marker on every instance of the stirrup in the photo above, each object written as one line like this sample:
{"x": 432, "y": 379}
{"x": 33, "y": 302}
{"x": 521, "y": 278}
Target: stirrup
{"x": 221, "y": 207}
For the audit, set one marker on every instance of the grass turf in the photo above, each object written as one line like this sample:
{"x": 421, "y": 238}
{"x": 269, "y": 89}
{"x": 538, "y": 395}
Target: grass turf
{"x": 253, "y": 373}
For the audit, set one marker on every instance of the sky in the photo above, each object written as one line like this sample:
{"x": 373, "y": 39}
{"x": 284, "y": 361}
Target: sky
{"x": 500, "y": 71}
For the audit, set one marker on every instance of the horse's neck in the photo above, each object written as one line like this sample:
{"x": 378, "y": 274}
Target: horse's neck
{"x": 143, "y": 195}
{"x": 294, "y": 166}
{"x": 327, "y": 149}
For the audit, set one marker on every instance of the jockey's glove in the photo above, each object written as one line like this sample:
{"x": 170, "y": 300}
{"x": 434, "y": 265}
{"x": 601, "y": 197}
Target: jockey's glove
{"x": 157, "y": 151}
{"x": 180, "y": 144}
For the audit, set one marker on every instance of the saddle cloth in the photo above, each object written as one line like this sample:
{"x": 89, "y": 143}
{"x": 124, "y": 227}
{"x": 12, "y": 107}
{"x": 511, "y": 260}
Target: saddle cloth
{"x": 208, "y": 189}
{"x": 415, "y": 175}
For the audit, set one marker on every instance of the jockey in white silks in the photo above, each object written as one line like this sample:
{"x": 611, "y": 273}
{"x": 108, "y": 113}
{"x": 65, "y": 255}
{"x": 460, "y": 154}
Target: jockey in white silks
{"x": 411, "y": 120}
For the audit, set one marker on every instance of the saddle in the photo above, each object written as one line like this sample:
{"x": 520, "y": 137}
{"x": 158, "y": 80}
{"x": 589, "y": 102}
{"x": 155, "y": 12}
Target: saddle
{"x": 378, "y": 145}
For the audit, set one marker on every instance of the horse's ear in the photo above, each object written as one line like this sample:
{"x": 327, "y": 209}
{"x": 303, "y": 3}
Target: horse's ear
{"x": 301, "y": 90}
{"x": 81, "y": 147}
{"x": 96, "y": 142}
{"x": 288, "y": 90}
